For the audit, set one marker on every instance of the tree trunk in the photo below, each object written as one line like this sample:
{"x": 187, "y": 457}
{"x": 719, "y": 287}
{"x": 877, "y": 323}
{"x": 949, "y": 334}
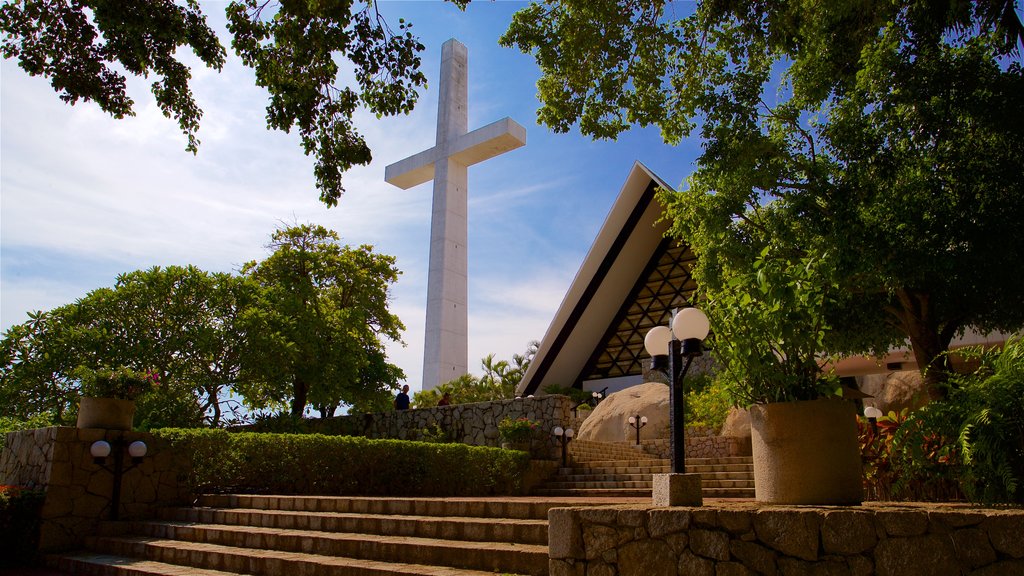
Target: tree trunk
{"x": 916, "y": 315}
{"x": 299, "y": 400}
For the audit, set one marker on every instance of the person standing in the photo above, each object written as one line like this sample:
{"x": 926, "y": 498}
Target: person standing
{"x": 402, "y": 400}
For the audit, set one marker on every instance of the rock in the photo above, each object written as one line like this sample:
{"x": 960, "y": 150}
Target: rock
{"x": 791, "y": 532}
{"x": 930, "y": 555}
{"x": 1005, "y": 533}
{"x": 609, "y": 421}
{"x": 737, "y": 423}
{"x": 894, "y": 391}
{"x": 972, "y": 547}
{"x": 710, "y": 544}
{"x": 848, "y": 532}
{"x": 647, "y": 557}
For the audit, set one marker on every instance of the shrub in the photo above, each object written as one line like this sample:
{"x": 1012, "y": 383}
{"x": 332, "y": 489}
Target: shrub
{"x": 340, "y": 465}
{"x": 707, "y": 402}
{"x": 121, "y": 382}
{"x": 904, "y": 459}
{"x": 984, "y": 415}
{"x": 970, "y": 444}
{"x": 10, "y": 424}
{"x": 287, "y": 423}
{"x": 20, "y": 510}
{"x": 518, "y": 430}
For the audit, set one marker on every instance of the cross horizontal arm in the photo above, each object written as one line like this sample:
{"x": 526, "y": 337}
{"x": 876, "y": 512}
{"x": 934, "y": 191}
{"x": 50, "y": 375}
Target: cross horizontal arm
{"x": 468, "y": 149}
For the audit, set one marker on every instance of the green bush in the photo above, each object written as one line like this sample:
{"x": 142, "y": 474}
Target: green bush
{"x": 341, "y": 465}
{"x": 10, "y": 424}
{"x": 969, "y": 444}
{"x": 20, "y": 510}
{"x": 287, "y": 423}
{"x": 707, "y": 402}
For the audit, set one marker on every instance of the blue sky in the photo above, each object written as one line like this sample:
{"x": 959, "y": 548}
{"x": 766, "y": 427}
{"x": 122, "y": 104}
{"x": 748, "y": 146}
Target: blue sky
{"x": 84, "y": 197}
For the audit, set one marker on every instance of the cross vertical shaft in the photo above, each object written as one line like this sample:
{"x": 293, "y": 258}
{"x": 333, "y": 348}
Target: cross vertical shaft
{"x": 446, "y": 341}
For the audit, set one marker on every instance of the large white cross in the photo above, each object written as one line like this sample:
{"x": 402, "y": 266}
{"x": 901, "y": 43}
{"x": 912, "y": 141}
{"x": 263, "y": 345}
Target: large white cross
{"x": 446, "y": 346}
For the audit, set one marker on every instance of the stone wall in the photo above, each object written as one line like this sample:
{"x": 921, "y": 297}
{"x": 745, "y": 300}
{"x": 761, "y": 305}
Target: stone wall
{"x": 78, "y": 491}
{"x": 475, "y": 424}
{"x": 701, "y": 442}
{"x": 745, "y": 538}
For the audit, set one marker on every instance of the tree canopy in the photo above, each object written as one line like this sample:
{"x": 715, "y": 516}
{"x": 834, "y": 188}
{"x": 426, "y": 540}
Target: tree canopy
{"x": 302, "y": 326}
{"x": 879, "y": 143}
{"x": 316, "y": 334}
{"x": 86, "y": 47}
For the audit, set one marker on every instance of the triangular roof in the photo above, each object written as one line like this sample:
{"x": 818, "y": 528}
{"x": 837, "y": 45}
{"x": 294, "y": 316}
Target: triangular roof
{"x": 629, "y": 282}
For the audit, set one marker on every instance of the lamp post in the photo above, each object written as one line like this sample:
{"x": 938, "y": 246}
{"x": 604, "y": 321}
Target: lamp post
{"x": 101, "y": 449}
{"x": 873, "y": 414}
{"x": 564, "y": 437}
{"x": 667, "y": 347}
{"x": 638, "y": 422}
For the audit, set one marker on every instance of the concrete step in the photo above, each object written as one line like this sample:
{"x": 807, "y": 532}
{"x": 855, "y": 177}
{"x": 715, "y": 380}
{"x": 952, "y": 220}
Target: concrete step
{"x": 91, "y": 563}
{"x": 524, "y": 531}
{"x": 458, "y": 507}
{"x": 647, "y": 484}
{"x": 508, "y": 557}
{"x": 585, "y": 474}
{"x": 204, "y": 556}
{"x": 745, "y": 493}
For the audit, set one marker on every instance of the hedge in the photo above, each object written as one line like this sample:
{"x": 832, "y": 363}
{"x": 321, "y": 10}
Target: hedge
{"x": 262, "y": 463}
{"x": 20, "y": 510}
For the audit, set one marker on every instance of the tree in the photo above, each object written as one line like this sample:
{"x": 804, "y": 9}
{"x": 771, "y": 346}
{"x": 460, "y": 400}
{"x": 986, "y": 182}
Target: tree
{"x": 315, "y": 333}
{"x": 881, "y": 140}
{"x": 176, "y": 321}
{"x": 498, "y": 382}
{"x": 294, "y": 48}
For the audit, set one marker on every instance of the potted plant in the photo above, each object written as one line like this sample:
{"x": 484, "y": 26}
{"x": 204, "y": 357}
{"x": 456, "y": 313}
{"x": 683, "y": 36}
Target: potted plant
{"x": 108, "y": 396}
{"x": 518, "y": 433}
{"x": 770, "y": 338}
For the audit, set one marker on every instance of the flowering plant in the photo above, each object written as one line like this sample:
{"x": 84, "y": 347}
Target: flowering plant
{"x": 123, "y": 383}
{"x": 518, "y": 430}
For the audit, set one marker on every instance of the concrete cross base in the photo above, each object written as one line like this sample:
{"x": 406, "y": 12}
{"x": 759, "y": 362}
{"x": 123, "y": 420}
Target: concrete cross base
{"x": 677, "y": 490}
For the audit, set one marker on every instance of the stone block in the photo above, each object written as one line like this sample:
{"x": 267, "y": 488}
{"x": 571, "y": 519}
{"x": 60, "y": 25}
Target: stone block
{"x": 930, "y": 555}
{"x": 847, "y": 532}
{"x": 1004, "y": 568}
{"x": 662, "y": 522}
{"x": 565, "y": 568}
{"x": 754, "y": 556}
{"x": 903, "y": 522}
{"x": 677, "y": 490}
{"x": 1005, "y": 532}
{"x": 735, "y": 521}
{"x": 599, "y": 539}
{"x": 732, "y": 569}
{"x": 692, "y": 565}
{"x": 973, "y": 548}
{"x": 564, "y": 536}
{"x": 632, "y": 518}
{"x": 792, "y": 532}
{"x": 710, "y": 544}
{"x": 860, "y": 566}
{"x": 646, "y": 558}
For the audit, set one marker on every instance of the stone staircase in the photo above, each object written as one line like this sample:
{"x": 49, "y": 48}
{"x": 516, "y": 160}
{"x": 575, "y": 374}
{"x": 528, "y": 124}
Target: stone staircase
{"x": 600, "y": 469}
{"x": 315, "y": 535}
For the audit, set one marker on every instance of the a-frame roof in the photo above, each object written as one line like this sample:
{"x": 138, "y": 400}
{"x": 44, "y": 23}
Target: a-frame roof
{"x": 629, "y": 282}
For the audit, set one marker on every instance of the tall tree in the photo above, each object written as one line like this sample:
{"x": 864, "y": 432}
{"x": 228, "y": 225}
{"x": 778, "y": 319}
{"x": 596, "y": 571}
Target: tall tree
{"x": 879, "y": 140}
{"x": 315, "y": 336}
{"x": 85, "y": 46}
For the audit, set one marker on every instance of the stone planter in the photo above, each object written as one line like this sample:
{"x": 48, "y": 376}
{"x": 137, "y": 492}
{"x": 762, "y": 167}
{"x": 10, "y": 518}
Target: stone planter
{"x": 806, "y": 453}
{"x": 108, "y": 413}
